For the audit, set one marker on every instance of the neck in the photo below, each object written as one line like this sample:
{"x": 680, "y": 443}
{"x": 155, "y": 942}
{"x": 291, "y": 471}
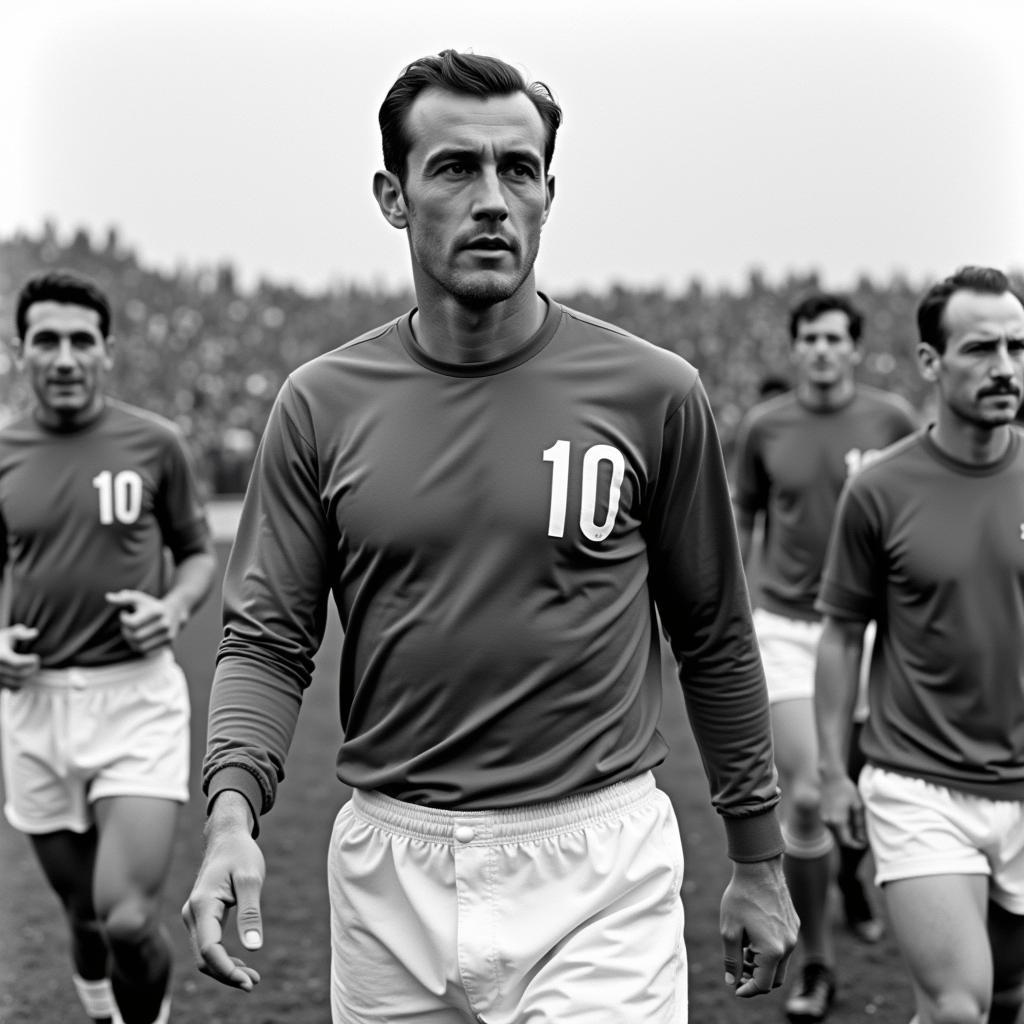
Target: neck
{"x": 971, "y": 443}
{"x": 832, "y": 396}
{"x": 71, "y": 421}
{"x": 455, "y": 333}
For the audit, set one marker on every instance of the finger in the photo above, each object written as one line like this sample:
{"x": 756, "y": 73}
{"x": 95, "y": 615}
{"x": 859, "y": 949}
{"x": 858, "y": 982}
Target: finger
{"x": 21, "y": 633}
{"x": 147, "y": 646}
{"x": 22, "y": 665}
{"x": 212, "y": 959}
{"x": 144, "y": 631}
{"x": 247, "y": 912}
{"x": 781, "y": 969}
{"x": 841, "y": 830}
{"x": 764, "y": 972}
{"x": 858, "y": 826}
{"x": 123, "y": 598}
{"x": 733, "y": 959}
{"x": 228, "y": 970}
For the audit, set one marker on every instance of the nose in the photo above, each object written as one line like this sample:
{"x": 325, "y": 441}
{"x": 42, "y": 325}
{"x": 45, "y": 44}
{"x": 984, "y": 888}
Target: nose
{"x": 64, "y": 358}
{"x": 489, "y": 201}
{"x": 1003, "y": 366}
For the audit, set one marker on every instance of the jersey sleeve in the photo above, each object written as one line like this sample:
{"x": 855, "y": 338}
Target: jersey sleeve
{"x": 183, "y": 523}
{"x": 850, "y": 583}
{"x": 275, "y": 612}
{"x": 701, "y": 594}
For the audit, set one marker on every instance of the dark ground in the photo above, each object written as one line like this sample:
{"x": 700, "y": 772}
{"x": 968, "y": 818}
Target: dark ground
{"x": 35, "y": 985}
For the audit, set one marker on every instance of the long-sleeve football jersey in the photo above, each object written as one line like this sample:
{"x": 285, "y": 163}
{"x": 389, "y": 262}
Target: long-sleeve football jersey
{"x": 496, "y": 537}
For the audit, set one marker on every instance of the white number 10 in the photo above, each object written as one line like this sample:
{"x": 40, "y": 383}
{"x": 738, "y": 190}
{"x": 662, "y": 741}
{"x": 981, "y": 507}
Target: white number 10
{"x": 120, "y": 496}
{"x": 558, "y": 456}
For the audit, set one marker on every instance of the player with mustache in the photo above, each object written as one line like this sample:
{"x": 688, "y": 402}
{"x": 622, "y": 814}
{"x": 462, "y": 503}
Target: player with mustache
{"x": 929, "y": 542}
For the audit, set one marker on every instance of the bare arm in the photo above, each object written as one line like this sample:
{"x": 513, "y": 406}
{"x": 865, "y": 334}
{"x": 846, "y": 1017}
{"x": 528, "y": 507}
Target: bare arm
{"x": 835, "y": 693}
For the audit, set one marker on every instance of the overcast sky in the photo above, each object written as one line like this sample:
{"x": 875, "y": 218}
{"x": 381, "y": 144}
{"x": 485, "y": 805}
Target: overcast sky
{"x": 700, "y": 139}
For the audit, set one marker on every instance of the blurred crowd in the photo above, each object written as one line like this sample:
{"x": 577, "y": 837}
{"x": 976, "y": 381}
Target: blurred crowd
{"x": 210, "y": 355}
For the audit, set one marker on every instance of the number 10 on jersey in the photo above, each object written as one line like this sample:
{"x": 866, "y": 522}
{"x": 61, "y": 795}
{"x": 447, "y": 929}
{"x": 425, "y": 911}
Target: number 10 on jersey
{"x": 559, "y": 456}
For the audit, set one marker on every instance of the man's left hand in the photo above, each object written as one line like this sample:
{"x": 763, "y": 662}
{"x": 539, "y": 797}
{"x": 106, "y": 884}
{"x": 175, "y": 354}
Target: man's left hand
{"x": 147, "y": 622}
{"x": 759, "y": 927}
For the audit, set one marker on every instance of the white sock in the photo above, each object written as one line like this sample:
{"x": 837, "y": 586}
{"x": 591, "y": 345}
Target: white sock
{"x": 96, "y": 997}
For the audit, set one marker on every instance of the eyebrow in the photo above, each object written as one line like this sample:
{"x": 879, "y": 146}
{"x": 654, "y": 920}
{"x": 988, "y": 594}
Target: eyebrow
{"x": 49, "y": 333}
{"x": 470, "y": 153}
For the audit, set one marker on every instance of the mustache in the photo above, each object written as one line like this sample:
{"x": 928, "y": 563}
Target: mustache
{"x": 1000, "y": 389}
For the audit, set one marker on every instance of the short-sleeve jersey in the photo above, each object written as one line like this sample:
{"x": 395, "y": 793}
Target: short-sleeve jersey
{"x": 495, "y": 536}
{"x": 88, "y": 511}
{"x": 791, "y": 462}
{"x": 933, "y": 549}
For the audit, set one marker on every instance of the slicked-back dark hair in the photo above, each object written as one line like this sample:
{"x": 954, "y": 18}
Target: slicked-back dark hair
{"x": 468, "y": 74}
{"x": 820, "y": 303}
{"x": 932, "y": 306}
{"x": 65, "y": 286}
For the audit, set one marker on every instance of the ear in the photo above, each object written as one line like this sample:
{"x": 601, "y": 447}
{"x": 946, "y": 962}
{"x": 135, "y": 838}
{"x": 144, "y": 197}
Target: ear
{"x": 857, "y": 354}
{"x": 550, "y": 187}
{"x": 17, "y": 346}
{"x": 928, "y": 362}
{"x": 108, "y": 351}
{"x": 387, "y": 190}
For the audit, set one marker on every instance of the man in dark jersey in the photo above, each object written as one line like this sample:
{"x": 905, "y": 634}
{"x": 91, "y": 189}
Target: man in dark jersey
{"x": 94, "y": 708}
{"x": 793, "y": 454}
{"x": 498, "y": 492}
{"x": 929, "y": 542}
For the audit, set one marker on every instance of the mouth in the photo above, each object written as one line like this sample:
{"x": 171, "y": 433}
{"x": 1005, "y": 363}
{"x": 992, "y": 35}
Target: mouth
{"x": 488, "y": 243}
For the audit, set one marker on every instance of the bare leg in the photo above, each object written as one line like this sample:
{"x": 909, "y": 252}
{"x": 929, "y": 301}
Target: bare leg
{"x": 809, "y": 845}
{"x": 940, "y": 924}
{"x": 132, "y": 861}
{"x": 808, "y": 860}
{"x": 67, "y": 860}
{"x": 1006, "y": 934}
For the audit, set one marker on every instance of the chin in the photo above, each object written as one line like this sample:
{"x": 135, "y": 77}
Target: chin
{"x": 486, "y": 290}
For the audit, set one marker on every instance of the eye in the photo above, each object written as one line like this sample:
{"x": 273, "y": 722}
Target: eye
{"x": 82, "y": 339}
{"x": 455, "y": 169}
{"x": 1015, "y": 346}
{"x": 44, "y": 339}
{"x": 524, "y": 171}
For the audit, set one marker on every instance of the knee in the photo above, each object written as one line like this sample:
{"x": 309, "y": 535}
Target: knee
{"x": 804, "y": 803}
{"x": 129, "y": 921}
{"x": 959, "y": 1008}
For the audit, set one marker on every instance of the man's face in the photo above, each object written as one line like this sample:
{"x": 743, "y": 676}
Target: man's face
{"x": 476, "y": 193}
{"x": 67, "y": 359}
{"x": 823, "y": 351}
{"x": 980, "y": 376}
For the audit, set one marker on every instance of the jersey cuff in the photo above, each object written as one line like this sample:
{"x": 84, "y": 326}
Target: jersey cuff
{"x": 241, "y": 781}
{"x": 754, "y": 838}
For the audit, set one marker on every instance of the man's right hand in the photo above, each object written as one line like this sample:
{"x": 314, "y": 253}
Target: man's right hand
{"x": 842, "y": 809}
{"x": 231, "y": 875}
{"x": 16, "y": 666}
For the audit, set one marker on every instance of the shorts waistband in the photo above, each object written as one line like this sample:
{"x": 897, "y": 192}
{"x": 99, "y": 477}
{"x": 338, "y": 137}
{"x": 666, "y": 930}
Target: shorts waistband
{"x": 83, "y": 677}
{"x": 526, "y": 823}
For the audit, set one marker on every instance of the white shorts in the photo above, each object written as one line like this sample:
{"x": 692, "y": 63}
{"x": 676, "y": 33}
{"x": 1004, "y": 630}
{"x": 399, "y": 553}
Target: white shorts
{"x": 72, "y": 736}
{"x": 789, "y": 651}
{"x": 789, "y": 648}
{"x": 567, "y": 911}
{"x": 917, "y": 828}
